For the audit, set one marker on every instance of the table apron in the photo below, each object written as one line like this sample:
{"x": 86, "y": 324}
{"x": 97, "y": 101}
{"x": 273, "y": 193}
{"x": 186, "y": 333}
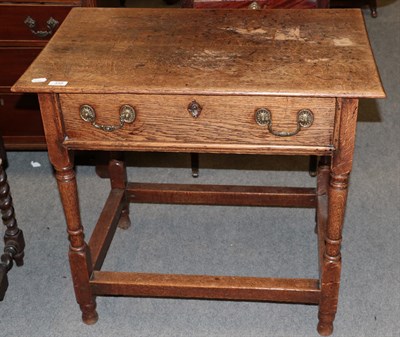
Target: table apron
{"x": 218, "y": 124}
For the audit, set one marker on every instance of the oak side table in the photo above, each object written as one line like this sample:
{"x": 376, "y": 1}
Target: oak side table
{"x": 282, "y": 82}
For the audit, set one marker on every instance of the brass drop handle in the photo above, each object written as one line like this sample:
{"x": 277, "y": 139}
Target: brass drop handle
{"x": 254, "y": 5}
{"x": 305, "y": 118}
{"x": 51, "y": 25}
{"x": 127, "y": 114}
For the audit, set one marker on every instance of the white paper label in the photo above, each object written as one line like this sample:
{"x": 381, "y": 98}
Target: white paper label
{"x": 39, "y": 80}
{"x": 58, "y": 83}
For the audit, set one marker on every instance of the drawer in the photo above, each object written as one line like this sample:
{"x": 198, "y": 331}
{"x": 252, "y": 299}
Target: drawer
{"x": 30, "y": 22}
{"x": 14, "y": 61}
{"x": 225, "y": 122}
{"x": 260, "y": 4}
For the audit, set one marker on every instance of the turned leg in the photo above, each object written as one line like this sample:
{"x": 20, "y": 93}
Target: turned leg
{"x": 118, "y": 179}
{"x": 337, "y": 195}
{"x": 331, "y": 268}
{"x": 14, "y": 243}
{"x": 373, "y": 8}
{"x": 60, "y": 157}
{"x": 79, "y": 255}
{"x": 13, "y": 236}
{"x": 194, "y": 161}
{"x": 313, "y": 166}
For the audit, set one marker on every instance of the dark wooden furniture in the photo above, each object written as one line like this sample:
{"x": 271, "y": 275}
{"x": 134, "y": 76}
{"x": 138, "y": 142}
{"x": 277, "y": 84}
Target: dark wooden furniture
{"x": 372, "y": 4}
{"x": 264, "y": 4}
{"x": 281, "y": 82}
{"x": 260, "y": 4}
{"x": 26, "y": 27}
{"x": 14, "y": 243}
{"x": 168, "y": 2}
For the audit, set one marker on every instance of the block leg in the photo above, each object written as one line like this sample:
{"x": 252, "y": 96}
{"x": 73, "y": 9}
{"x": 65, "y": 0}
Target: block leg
{"x": 373, "y": 8}
{"x": 118, "y": 179}
{"x": 322, "y": 182}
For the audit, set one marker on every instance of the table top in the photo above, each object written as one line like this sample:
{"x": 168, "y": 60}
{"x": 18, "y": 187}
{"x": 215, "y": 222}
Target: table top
{"x": 324, "y": 53}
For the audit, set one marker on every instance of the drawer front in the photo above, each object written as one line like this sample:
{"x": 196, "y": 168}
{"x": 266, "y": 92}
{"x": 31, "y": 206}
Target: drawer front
{"x": 225, "y": 122}
{"x": 14, "y": 61}
{"x": 260, "y": 4}
{"x": 31, "y": 22}
{"x": 20, "y": 122}
{"x": 20, "y": 115}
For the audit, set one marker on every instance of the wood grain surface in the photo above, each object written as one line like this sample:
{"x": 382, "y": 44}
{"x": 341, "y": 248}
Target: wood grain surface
{"x": 187, "y": 51}
{"x": 204, "y": 286}
{"x": 224, "y": 120}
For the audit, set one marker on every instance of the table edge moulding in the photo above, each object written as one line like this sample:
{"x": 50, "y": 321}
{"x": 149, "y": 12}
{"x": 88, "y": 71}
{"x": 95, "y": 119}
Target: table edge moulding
{"x": 283, "y": 82}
